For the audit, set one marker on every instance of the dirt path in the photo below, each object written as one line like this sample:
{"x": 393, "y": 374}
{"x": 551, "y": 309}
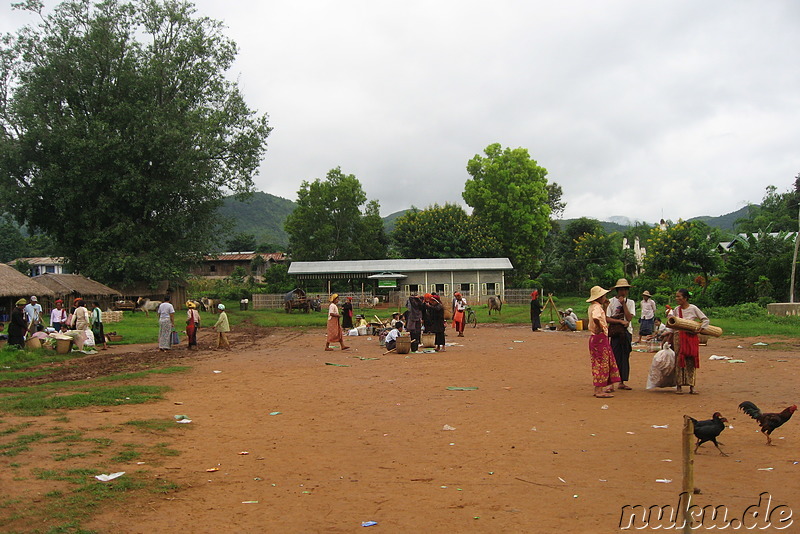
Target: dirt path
{"x": 532, "y": 450}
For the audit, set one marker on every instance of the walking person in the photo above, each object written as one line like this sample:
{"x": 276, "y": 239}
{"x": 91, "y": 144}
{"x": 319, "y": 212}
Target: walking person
{"x": 536, "y": 311}
{"x": 334, "y": 333}
{"x": 58, "y": 316}
{"x": 18, "y": 325}
{"x": 222, "y": 327}
{"x": 604, "y": 366}
{"x": 97, "y": 326}
{"x": 166, "y": 324}
{"x": 648, "y": 316}
{"x": 619, "y": 314}
{"x": 459, "y": 308}
{"x": 192, "y": 324}
{"x": 687, "y": 344}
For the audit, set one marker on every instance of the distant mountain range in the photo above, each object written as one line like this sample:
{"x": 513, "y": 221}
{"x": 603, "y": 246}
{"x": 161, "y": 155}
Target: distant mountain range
{"x": 263, "y": 216}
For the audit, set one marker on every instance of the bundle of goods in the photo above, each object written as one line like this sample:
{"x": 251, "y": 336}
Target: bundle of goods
{"x": 676, "y": 323}
{"x": 112, "y": 317}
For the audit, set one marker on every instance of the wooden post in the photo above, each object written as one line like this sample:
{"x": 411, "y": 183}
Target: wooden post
{"x": 688, "y": 472}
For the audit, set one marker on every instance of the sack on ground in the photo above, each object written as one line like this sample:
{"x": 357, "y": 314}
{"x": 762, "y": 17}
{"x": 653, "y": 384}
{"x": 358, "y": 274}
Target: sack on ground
{"x": 89, "y": 338}
{"x": 662, "y": 370}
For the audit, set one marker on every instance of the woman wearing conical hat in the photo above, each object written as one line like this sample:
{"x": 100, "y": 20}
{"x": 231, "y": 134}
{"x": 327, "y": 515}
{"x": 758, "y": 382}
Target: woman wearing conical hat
{"x": 604, "y": 367}
{"x": 334, "y": 327}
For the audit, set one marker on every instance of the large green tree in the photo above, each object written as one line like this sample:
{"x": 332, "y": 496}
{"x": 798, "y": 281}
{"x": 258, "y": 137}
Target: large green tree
{"x": 684, "y": 248}
{"x": 777, "y": 211}
{"x": 328, "y": 222}
{"x": 757, "y": 268}
{"x": 442, "y": 232}
{"x": 120, "y": 133}
{"x": 509, "y": 195}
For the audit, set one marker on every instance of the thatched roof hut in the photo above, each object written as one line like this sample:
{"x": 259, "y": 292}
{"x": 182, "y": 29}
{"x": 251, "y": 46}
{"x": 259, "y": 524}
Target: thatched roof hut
{"x": 13, "y": 286}
{"x": 69, "y": 286}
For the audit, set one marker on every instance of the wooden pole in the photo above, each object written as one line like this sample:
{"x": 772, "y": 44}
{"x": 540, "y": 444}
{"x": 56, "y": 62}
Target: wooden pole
{"x": 688, "y": 472}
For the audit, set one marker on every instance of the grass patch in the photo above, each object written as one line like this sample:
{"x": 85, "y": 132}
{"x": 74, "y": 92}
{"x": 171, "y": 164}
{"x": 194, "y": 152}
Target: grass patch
{"x": 39, "y": 401}
{"x": 127, "y": 455}
{"x": 14, "y": 429}
{"x": 152, "y": 425}
{"x": 20, "y": 444}
{"x": 142, "y": 374}
{"x": 162, "y": 449}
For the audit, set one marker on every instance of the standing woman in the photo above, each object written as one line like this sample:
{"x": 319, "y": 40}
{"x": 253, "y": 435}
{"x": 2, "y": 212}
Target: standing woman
{"x": 687, "y": 344}
{"x": 536, "y": 311}
{"x": 223, "y": 327}
{"x": 334, "y": 328}
{"x": 192, "y": 324}
{"x": 435, "y": 323}
{"x": 97, "y": 326}
{"x": 18, "y": 325}
{"x": 58, "y": 316}
{"x": 459, "y": 308}
{"x": 604, "y": 366}
{"x": 82, "y": 322}
{"x": 347, "y": 314}
{"x": 166, "y": 324}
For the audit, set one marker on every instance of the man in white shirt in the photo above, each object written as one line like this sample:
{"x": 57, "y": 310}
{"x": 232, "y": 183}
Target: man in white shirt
{"x": 621, "y": 312}
{"x": 33, "y": 314}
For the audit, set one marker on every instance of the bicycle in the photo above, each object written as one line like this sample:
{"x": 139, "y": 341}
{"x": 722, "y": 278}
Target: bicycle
{"x": 471, "y": 317}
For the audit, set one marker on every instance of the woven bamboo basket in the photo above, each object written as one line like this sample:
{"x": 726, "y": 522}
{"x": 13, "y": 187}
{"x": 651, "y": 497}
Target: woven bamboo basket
{"x": 676, "y": 323}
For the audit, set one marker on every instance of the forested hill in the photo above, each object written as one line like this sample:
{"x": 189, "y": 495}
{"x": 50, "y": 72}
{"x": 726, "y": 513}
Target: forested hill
{"x": 263, "y": 215}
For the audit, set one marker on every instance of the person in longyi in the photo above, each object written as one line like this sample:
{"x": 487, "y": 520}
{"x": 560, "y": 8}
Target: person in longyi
{"x": 334, "y": 334}
{"x": 604, "y": 366}
{"x": 687, "y": 344}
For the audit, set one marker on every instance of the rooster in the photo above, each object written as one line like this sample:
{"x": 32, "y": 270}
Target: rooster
{"x": 709, "y": 430}
{"x": 768, "y": 421}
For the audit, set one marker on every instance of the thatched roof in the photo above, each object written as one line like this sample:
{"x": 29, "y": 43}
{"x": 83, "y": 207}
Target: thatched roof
{"x": 68, "y": 284}
{"x": 15, "y": 284}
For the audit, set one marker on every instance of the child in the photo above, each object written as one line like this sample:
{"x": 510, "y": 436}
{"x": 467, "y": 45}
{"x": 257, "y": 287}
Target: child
{"x": 222, "y": 327}
{"x": 39, "y": 334}
{"x": 394, "y": 333}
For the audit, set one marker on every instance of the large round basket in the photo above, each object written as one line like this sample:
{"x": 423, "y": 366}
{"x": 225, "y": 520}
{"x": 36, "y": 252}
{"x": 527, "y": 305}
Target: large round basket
{"x": 403, "y": 345}
{"x": 63, "y": 346}
{"x": 428, "y": 340}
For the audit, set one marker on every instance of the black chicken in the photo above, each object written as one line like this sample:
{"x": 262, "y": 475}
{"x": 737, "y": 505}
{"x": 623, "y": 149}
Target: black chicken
{"x": 708, "y": 430}
{"x": 768, "y": 421}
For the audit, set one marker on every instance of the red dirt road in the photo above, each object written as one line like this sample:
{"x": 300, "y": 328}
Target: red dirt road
{"x": 532, "y": 450}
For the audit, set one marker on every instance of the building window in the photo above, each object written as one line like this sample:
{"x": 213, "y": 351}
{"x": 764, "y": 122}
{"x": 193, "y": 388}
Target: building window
{"x": 491, "y": 287}
{"x": 413, "y": 288}
{"x": 464, "y": 287}
{"x": 212, "y": 268}
{"x": 50, "y": 269}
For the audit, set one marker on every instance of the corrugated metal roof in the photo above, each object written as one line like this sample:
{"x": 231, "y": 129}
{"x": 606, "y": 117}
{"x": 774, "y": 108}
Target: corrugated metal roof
{"x": 43, "y": 260}
{"x": 245, "y": 256}
{"x": 416, "y": 265}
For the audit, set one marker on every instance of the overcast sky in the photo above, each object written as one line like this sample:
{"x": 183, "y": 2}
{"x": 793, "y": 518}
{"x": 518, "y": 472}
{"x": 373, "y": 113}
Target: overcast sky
{"x": 639, "y": 108}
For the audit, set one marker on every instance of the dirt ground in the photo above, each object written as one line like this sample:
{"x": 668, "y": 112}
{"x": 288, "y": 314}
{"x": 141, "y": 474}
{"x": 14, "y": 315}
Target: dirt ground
{"x": 531, "y": 451}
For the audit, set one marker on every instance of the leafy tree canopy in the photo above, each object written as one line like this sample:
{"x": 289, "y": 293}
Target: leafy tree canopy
{"x": 687, "y": 247}
{"x": 241, "y": 242}
{"x": 120, "y": 133}
{"x": 328, "y": 223}
{"x": 509, "y": 195}
{"x": 777, "y": 212}
{"x": 442, "y": 232}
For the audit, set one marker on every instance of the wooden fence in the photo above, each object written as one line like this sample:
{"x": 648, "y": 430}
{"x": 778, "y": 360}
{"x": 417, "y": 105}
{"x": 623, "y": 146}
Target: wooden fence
{"x": 273, "y": 301}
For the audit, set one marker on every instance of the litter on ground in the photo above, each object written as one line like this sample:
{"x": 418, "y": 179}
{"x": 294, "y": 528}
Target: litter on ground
{"x": 459, "y": 388}
{"x": 106, "y": 478}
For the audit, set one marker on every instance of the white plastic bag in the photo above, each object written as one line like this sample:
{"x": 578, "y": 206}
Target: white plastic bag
{"x": 662, "y": 370}
{"x": 90, "y": 342}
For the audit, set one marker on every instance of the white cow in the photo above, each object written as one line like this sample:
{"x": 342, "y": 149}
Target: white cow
{"x": 147, "y": 305}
